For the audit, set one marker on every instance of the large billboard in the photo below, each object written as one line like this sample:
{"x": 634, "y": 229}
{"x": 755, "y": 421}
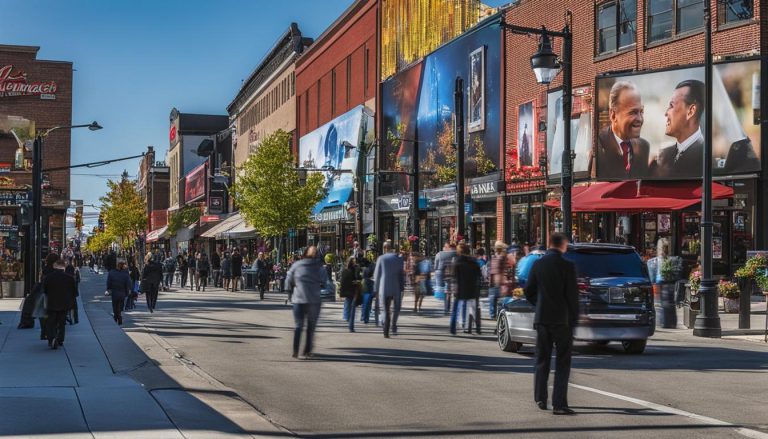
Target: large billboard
{"x": 650, "y": 125}
{"x": 334, "y": 147}
{"x": 418, "y": 110}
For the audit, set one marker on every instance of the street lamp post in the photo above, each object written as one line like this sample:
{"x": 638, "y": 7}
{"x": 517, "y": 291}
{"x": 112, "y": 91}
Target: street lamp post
{"x": 543, "y": 219}
{"x": 35, "y": 242}
{"x": 546, "y": 65}
{"x": 459, "y": 139}
{"x": 707, "y": 322}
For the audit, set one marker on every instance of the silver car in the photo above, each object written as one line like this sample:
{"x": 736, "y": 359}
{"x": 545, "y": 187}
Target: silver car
{"x": 615, "y": 301}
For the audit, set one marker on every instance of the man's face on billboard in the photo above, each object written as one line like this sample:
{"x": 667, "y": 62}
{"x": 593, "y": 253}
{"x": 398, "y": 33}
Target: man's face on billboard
{"x": 627, "y": 115}
{"x": 679, "y": 114}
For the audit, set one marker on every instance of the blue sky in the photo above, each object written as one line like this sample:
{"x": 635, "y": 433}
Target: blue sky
{"x": 135, "y": 60}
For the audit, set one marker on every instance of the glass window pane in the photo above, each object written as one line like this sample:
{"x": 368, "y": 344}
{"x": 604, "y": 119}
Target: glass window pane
{"x": 607, "y": 40}
{"x": 607, "y": 16}
{"x": 660, "y": 26}
{"x": 690, "y": 17}
{"x": 627, "y": 34}
{"x": 628, "y": 10}
{"x": 735, "y": 10}
{"x": 658, "y": 6}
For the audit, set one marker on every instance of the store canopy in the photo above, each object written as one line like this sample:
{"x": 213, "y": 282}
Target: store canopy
{"x": 157, "y": 234}
{"x": 640, "y": 196}
{"x": 240, "y": 231}
{"x": 223, "y": 226}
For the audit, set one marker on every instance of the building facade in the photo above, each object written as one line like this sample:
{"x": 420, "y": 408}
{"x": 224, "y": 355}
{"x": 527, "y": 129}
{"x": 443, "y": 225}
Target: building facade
{"x": 634, "y": 62}
{"x": 336, "y": 90}
{"x": 35, "y": 95}
{"x": 152, "y": 182}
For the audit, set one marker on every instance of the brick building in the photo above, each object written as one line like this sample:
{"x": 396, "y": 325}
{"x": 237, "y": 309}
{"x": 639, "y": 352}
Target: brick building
{"x": 35, "y": 95}
{"x": 153, "y": 185}
{"x": 336, "y": 90}
{"x": 652, "y": 45}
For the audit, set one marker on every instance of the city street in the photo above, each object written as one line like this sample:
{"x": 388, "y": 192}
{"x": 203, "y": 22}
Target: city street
{"x": 425, "y": 383}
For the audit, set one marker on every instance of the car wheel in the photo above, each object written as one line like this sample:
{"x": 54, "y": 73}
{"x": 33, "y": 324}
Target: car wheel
{"x": 505, "y": 341}
{"x": 634, "y": 346}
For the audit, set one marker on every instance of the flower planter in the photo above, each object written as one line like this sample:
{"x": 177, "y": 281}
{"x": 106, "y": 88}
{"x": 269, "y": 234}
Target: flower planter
{"x": 731, "y": 305}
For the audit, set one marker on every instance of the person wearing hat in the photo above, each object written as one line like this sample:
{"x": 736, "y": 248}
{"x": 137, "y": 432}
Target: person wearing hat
{"x": 498, "y": 276}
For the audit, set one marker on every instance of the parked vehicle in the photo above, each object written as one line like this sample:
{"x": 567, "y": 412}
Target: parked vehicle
{"x": 615, "y": 295}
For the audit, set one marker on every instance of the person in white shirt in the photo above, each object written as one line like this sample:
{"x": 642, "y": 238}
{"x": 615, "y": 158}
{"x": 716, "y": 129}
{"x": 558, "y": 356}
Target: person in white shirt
{"x": 685, "y": 157}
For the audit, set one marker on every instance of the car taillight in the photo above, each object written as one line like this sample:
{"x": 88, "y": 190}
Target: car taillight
{"x": 583, "y": 285}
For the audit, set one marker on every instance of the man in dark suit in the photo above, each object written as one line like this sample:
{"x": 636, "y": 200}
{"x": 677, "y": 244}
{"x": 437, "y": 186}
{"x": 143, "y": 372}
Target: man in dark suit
{"x": 552, "y": 289}
{"x": 60, "y": 290}
{"x": 622, "y": 153}
{"x": 686, "y": 157}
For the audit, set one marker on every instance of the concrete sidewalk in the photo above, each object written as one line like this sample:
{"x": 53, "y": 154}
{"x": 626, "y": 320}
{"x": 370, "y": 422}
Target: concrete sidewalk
{"x": 100, "y": 384}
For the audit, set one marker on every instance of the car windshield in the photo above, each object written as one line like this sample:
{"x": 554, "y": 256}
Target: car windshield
{"x": 606, "y": 263}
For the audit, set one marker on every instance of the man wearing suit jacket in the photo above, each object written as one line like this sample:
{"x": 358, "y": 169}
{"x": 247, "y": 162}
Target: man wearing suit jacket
{"x": 389, "y": 283}
{"x": 60, "y": 290}
{"x": 552, "y": 289}
{"x": 686, "y": 157}
{"x": 622, "y": 153}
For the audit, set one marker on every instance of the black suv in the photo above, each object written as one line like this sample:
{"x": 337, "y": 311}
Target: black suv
{"x": 615, "y": 295}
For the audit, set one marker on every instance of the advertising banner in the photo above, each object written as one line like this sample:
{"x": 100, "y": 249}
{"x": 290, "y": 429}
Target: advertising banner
{"x": 418, "y": 110}
{"x": 194, "y": 187}
{"x": 650, "y": 125}
{"x": 334, "y": 148}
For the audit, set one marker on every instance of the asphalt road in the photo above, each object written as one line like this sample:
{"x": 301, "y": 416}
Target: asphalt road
{"x": 425, "y": 383}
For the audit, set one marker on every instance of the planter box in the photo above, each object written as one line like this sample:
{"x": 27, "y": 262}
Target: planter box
{"x": 13, "y": 288}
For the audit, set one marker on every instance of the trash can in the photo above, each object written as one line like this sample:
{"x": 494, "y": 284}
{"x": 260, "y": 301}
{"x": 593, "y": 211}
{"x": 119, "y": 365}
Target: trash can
{"x": 668, "y": 316}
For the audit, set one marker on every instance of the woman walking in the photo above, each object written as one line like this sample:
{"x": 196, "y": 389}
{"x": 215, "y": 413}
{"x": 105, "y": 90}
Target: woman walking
{"x": 181, "y": 264}
{"x": 74, "y": 271}
{"x": 203, "y": 268}
{"x": 119, "y": 286}
{"x": 367, "y": 272}
{"x": 151, "y": 277}
{"x": 226, "y": 271}
{"x": 133, "y": 273}
{"x": 349, "y": 289}
{"x": 237, "y": 268}
{"x": 306, "y": 277}
{"x": 262, "y": 274}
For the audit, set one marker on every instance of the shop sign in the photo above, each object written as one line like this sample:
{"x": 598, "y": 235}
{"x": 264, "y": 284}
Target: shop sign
{"x": 16, "y": 84}
{"x": 404, "y": 202}
{"x": 209, "y": 218}
{"x": 331, "y": 215}
{"x": 485, "y": 189}
{"x": 194, "y": 187}
{"x": 216, "y": 205}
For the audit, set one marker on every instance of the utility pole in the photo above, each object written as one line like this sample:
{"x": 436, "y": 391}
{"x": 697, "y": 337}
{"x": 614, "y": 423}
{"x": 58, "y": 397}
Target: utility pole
{"x": 459, "y": 138}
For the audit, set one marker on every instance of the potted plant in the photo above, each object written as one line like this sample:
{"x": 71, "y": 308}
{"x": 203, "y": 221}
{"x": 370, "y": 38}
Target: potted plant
{"x": 730, "y": 293}
{"x": 694, "y": 282}
{"x": 748, "y": 274}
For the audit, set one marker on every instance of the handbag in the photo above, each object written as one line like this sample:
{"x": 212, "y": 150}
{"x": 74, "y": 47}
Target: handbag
{"x": 41, "y": 305}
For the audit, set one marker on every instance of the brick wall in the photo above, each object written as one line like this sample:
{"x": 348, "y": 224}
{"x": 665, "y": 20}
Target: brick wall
{"x": 45, "y": 113}
{"x": 342, "y": 49}
{"x": 521, "y": 85}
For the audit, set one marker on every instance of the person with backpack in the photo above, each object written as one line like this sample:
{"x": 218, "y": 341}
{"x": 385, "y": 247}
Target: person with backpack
{"x": 203, "y": 268}
{"x": 169, "y": 268}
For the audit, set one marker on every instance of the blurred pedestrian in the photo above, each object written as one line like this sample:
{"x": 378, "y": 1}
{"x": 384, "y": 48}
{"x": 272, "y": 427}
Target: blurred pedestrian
{"x": 237, "y": 268}
{"x": 552, "y": 289}
{"x": 497, "y": 278}
{"x": 169, "y": 268}
{"x": 60, "y": 290}
{"x": 192, "y": 268}
{"x": 388, "y": 285}
{"x": 133, "y": 273}
{"x": 48, "y": 268}
{"x": 367, "y": 272}
{"x": 182, "y": 267}
{"x": 151, "y": 277}
{"x": 74, "y": 271}
{"x": 444, "y": 273}
{"x": 119, "y": 287}
{"x": 349, "y": 290}
{"x": 424, "y": 282}
{"x": 262, "y": 273}
{"x": 216, "y": 268}
{"x": 203, "y": 269}
{"x": 226, "y": 271}
{"x": 466, "y": 272}
{"x": 306, "y": 277}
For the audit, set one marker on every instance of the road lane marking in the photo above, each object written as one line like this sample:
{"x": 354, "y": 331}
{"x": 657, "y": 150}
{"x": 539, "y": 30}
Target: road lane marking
{"x": 753, "y": 434}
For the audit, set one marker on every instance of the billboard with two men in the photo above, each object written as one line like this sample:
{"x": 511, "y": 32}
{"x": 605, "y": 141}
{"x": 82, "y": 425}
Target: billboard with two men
{"x": 651, "y": 125}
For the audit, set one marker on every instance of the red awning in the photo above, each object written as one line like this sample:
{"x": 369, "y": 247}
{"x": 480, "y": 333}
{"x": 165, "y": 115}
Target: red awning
{"x": 637, "y": 196}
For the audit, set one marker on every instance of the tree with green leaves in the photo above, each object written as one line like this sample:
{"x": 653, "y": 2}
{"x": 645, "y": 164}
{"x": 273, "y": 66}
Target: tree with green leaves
{"x": 124, "y": 212}
{"x": 182, "y": 218}
{"x": 268, "y": 191}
